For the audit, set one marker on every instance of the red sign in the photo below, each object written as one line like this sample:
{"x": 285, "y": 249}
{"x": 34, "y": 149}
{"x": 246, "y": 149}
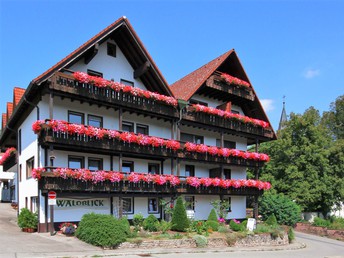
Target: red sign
{"x": 51, "y": 195}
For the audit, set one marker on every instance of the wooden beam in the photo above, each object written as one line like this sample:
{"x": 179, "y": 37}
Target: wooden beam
{"x": 141, "y": 69}
{"x": 90, "y": 54}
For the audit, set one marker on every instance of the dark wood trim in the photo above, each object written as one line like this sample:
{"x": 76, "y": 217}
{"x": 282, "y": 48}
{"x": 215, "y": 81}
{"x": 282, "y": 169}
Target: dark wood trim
{"x": 91, "y": 53}
{"x": 142, "y": 69}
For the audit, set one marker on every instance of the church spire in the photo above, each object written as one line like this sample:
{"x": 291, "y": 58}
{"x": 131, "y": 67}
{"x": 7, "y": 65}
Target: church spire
{"x": 284, "y": 118}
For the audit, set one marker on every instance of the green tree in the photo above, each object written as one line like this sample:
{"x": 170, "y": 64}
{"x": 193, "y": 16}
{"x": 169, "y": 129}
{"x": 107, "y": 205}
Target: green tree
{"x": 334, "y": 119}
{"x": 179, "y": 222}
{"x": 299, "y": 165}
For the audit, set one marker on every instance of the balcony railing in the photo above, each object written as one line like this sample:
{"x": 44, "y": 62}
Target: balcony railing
{"x": 105, "y": 145}
{"x": 216, "y": 82}
{"x": 49, "y": 181}
{"x": 237, "y": 126}
{"x": 10, "y": 162}
{"x": 67, "y": 85}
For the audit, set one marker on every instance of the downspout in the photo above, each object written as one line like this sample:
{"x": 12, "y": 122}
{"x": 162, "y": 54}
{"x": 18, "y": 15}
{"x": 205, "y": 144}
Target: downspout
{"x": 38, "y": 160}
{"x": 17, "y": 188}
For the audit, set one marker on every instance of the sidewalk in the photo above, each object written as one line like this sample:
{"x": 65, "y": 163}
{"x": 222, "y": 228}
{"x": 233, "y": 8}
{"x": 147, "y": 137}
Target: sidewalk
{"x": 14, "y": 243}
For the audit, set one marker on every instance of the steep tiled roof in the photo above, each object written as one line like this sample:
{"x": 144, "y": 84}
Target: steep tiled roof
{"x": 3, "y": 125}
{"x": 9, "y": 110}
{"x": 17, "y": 95}
{"x": 78, "y": 50}
{"x": 188, "y": 85}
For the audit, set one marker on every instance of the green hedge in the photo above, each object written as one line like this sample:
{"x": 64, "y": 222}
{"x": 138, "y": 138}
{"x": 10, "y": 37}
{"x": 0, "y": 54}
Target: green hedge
{"x": 101, "y": 230}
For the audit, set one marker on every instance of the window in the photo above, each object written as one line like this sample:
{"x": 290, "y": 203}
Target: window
{"x": 30, "y": 163}
{"x": 153, "y": 168}
{"x": 229, "y": 200}
{"x": 94, "y": 73}
{"x": 189, "y": 170}
{"x": 75, "y": 117}
{"x": 153, "y": 205}
{"x": 128, "y": 205}
{"x": 185, "y": 137}
{"x": 96, "y": 121}
{"x": 194, "y": 101}
{"x": 227, "y": 173}
{"x": 226, "y": 144}
{"x": 129, "y": 83}
{"x": 190, "y": 202}
{"x": 127, "y": 126}
{"x": 19, "y": 141}
{"x": 95, "y": 164}
{"x": 111, "y": 49}
{"x": 33, "y": 204}
{"x": 235, "y": 112}
{"x": 127, "y": 166}
{"x": 142, "y": 129}
{"x": 20, "y": 173}
{"x": 75, "y": 162}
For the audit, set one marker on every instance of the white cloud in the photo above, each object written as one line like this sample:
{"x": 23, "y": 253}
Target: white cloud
{"x": 311, "y": 73}
{"x": 267, "y": 104}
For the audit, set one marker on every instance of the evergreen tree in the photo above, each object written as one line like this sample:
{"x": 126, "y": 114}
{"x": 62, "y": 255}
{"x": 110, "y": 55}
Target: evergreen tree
{"x": 180, "y": 222}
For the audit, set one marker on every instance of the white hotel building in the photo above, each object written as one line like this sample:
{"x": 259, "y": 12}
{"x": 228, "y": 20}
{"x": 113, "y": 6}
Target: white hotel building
{"x": 207, "y": 142}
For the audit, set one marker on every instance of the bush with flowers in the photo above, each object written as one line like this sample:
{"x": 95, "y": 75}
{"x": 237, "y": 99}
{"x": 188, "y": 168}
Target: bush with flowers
{"x": 8, "y": 153}
{"x": 68, "y": 228}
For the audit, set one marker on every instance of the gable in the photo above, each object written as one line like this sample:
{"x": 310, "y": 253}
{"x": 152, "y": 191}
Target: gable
{"x": 112, "y": 68}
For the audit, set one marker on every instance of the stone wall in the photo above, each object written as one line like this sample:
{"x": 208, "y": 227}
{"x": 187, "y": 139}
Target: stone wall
{"x": 320, "y": 231}
{"x": 251, "y": 240}
{"x": 262, "y": 240}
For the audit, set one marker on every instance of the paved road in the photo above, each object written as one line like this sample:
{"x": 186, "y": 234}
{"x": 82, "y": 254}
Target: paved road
{"x": 14, "y": 243}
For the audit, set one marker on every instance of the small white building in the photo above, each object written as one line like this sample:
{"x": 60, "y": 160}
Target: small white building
{"x": 79, "y": 133}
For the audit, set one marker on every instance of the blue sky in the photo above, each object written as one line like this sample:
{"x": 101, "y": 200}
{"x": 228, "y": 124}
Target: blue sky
{"x": 292, "y": 48}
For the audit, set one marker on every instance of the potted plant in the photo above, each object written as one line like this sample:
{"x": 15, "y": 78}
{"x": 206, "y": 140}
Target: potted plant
{"x": 68, "y": 228}
{"x": 27, "y": 220}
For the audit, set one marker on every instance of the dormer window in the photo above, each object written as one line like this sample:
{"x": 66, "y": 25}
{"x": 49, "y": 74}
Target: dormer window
{"x": 126, "y": 82}
{"x": 111, "y": 49}
{"x": 94, "y": 73}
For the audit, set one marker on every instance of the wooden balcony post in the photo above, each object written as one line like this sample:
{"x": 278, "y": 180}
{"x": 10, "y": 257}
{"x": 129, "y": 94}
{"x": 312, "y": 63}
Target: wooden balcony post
{"x": 256, "y": 176}
{"x": 120, "y": 118}
{"x": 222, "y": 144}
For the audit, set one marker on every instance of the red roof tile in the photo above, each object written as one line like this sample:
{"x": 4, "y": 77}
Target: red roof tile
{"x": 9, "y": 110}
{"x": 17, "y": 95}
{"x": 4, "y": 122}
{"x": 188, "y": 85}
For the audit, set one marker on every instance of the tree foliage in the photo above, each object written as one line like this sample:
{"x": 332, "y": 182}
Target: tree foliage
{"x": 306, "y": 163}
{"x": 179, "y": 222}
{"x": 284, "y": 210}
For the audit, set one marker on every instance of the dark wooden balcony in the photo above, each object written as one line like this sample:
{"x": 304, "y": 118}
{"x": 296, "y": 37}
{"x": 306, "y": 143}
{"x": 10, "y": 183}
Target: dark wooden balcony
{"x": 215, "y": 82}
{"x": 9, "y": 163}
{"x": 65, "y": 85}
{"x": 232, "y": 126}
{"x": 106, "y": 146}
{"x": 50, "y": 182}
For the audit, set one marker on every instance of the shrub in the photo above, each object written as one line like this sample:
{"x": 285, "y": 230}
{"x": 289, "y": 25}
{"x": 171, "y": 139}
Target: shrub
{"x": 101, "y": 230}
{"x": 138, "y": 220}
{"x": 126, "y": 225}
{"x": 319, "y": 222}
{"x": 291, "y": 235}
{"x": 180, "y": 221}
{"x": 151, "y": 223}
{"x": 338, "y": 223}
{"x": 271, "y": 220}
{"x": 198, "y": 226}
{"x": 231, "y": 238}
{"x": 164, "y": 226}
{"x": 214, "y": 225}
{"x": 236, "y": 225}
{"x": 201, "y": 241}
{"x": 212, "y": 215}
{"x": 286, "y": 211}
{"x": 223, "y": 229}
{"x": 27, "y": 219}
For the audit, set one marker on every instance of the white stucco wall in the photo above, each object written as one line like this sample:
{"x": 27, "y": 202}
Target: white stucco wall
{"x": 116, "y": 68}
